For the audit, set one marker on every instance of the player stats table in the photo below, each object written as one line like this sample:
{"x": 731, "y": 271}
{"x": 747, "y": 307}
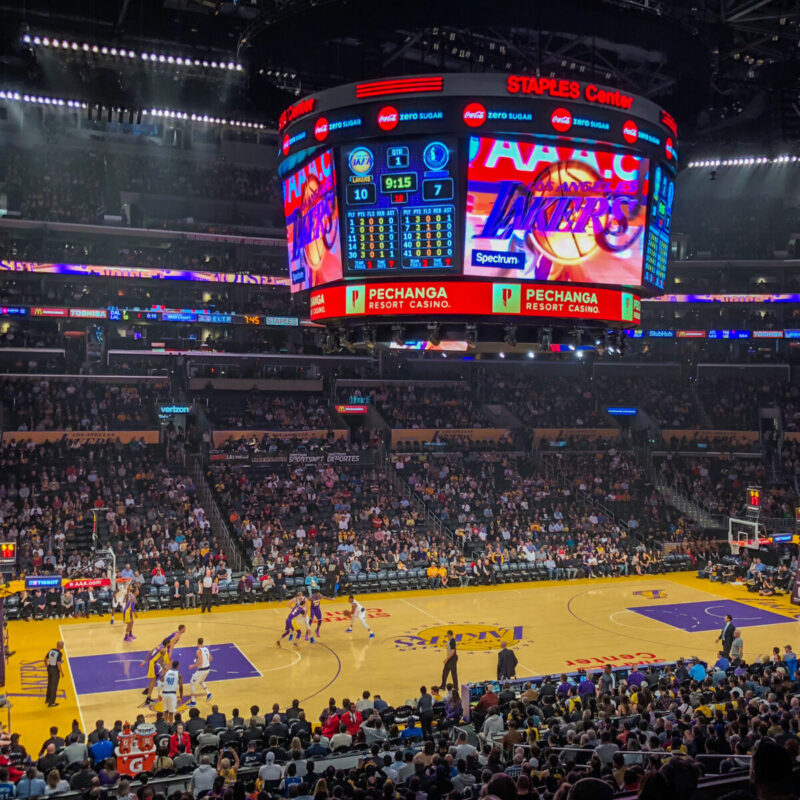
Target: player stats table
{"x": 399, "y": 206}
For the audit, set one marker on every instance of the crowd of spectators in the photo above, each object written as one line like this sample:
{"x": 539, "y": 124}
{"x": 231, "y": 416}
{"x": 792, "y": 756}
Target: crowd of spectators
{"x": 656, "y": 733}
{"x": 719, "y": 485}
{"x": 418, "y": 406}
{"x": 615, "y": 480}
{"x": 666, "y": 400}
{"x": 728, "y": 227}
{"x": 148, "y": 515}
{"x": 171, "y": 174}
{"x": 547, "y": 401}
{"x": 56, "y": 184}
{"x": 732, "y": 402}
{"x": 54, "y": 404}
{"x": 278, "y": 411}
{"x": 66, "y": 184}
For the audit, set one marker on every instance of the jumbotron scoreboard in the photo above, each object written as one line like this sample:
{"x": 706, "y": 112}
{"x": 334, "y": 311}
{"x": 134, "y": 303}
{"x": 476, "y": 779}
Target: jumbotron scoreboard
{"x": 460, "y": 196}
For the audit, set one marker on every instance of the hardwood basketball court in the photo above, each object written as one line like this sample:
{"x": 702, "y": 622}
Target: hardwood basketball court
{"x": 552, "y": 626}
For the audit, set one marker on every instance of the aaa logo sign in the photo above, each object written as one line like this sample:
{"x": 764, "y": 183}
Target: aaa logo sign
{"x": 468, "y": 637}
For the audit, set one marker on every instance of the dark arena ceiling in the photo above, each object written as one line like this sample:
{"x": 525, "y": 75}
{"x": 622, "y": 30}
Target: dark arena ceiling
{"x": 728, "y": 70}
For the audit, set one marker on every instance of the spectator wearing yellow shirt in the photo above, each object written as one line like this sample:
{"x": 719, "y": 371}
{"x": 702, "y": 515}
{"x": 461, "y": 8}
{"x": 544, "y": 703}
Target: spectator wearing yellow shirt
{"x": 433, "y": 576}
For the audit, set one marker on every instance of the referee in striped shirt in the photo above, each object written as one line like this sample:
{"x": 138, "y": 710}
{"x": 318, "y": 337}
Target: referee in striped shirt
{"x": 54, "y": 661}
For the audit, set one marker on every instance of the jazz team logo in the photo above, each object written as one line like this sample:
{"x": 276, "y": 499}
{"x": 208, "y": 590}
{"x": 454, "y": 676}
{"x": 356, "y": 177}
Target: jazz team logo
{"x": 468, "y": 637}
{"x": 506, "y": 298}
{"x": 356, "y": 300}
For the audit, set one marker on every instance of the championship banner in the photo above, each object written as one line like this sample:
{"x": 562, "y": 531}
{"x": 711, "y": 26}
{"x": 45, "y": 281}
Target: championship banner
{"x": 433, "y": 434}
{"x": 220, "y": 437}
{"x": 80, "y": 437}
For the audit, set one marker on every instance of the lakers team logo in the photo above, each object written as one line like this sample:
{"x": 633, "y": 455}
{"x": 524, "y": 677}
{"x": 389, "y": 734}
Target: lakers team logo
{"x": 473, "y": 638}
{"x": 651, "y": 594}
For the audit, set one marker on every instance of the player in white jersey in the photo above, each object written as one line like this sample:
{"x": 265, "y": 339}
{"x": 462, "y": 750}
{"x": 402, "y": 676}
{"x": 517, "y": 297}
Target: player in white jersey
{"x": 357, "y": 611}
{"x": 173, "y": 689}
{"x": 201, "y": 667}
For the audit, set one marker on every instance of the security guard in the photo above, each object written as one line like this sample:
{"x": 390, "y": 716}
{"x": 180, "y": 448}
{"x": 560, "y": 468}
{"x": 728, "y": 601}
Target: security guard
{"x": 55, "y": 671}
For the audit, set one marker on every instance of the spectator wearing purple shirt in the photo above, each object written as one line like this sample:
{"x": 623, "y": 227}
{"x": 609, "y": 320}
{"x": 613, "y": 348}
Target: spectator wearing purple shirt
{"x": 636, "y": 678}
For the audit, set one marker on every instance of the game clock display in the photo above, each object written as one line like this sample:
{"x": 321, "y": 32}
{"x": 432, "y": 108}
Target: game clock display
{"x": 399, "y": 205}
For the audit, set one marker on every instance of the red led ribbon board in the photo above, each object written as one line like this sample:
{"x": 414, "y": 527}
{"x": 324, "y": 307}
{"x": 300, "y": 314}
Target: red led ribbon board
{"x": 460, "y": 298}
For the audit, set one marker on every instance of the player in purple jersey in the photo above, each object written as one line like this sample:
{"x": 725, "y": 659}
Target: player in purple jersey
{"x": 297, "y": 610}
{"x": 314, "y": 613}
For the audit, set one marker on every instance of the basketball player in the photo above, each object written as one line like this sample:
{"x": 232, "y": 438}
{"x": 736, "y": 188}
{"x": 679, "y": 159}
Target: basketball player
{"x": 118, "y": 599}
{"x": 173, "y": 689}
{"x": 201, "y": 667}
{"x": 314, "y": 613}
{"x": 297, "y": 610}
{"x": 357, "y": 611}
{"x": 171, "y": 640}
{"x": 155, "y": 669}
{"x": 129, "y": 615}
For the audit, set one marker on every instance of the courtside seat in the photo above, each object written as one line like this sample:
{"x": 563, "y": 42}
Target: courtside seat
{"x": 372, "y": 582}
{"x": 383, "y": 580}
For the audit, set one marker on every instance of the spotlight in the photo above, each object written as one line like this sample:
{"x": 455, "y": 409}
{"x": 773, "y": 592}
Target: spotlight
{"x": 545, "y": 338}
{"x": 502, "y": 354}
{"x": 510, "y": 335}
{"x": 398, "y": 336}
{"x": 531, "y": 354}
{"x": 576, "y": 338}
{"x": 434, "y": 336}
{"x": 471, "y": 334}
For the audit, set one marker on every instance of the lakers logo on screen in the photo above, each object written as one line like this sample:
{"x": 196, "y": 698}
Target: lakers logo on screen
{"x": 546, "y": 212}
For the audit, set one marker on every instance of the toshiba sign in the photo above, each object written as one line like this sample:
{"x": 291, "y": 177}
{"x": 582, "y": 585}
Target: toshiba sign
{"x": 483, "y": 298}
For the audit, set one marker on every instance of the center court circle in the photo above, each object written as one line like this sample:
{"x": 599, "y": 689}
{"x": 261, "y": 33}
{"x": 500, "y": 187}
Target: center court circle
{"x": 474, "y": 638}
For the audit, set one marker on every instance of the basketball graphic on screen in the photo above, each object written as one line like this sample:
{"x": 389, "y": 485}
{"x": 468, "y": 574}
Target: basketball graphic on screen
{"x": 564, "y": 179}
{"x": 316, "y": 248}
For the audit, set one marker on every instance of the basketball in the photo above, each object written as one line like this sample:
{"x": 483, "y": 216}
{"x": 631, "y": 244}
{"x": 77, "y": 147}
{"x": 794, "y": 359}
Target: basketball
{"x": 564, "y": 247}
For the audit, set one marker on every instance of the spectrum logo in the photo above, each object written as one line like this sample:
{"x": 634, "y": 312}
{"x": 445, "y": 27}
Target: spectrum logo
{"x": 630, "y": 131}
{"x": 388, "y": 118}
{"x": 474, "y": 115}
{"x": 360, "y": 161}
{"x": 561, "y": 120}
{"x": 321, "y": 129}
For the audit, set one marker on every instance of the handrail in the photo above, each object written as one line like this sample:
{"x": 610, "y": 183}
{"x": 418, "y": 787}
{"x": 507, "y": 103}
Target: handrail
{"x": 400, "y": 484}
{"x": 215, "y": 516}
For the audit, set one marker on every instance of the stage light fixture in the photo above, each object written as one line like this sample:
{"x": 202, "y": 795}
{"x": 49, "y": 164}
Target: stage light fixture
{"x": 510, "y": 335}
{"x": 471, "y": 334}
{"x": 434, "y": 336}
{"x": 398, "y": 336}
{"x": 545, "y": 338}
